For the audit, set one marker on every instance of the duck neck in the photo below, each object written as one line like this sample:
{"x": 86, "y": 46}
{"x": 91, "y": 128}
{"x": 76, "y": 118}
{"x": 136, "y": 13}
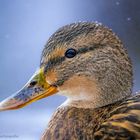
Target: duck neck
{"x": 80, "y": 104}
{"x": 91, "y": 103}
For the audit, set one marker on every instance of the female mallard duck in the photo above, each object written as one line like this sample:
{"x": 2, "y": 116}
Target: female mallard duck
{"x": 85, "y": 62}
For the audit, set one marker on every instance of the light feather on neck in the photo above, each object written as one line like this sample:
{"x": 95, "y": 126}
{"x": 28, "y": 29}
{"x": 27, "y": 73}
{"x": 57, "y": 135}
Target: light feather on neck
{"x": 81, "y": 92}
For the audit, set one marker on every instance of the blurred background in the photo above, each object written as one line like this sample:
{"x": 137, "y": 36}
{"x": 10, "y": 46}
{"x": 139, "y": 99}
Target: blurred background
{"x": 25, "y": 26}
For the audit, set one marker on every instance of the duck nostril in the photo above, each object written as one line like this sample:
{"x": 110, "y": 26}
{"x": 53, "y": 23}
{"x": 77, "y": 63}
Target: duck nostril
{"x": 33, "y": 83}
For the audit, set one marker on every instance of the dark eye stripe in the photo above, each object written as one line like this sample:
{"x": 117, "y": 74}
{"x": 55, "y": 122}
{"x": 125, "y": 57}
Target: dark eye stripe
{"x": 58, "y": 60}
{"x": 87, "y": 48}
{"x": 53, "y": 62}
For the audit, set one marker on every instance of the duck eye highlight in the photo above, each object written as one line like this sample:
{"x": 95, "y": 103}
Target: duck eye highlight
{"x": 70, "y": 53}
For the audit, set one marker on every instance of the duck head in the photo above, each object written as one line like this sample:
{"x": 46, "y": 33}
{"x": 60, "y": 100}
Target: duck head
{"x": 85, "y": 62}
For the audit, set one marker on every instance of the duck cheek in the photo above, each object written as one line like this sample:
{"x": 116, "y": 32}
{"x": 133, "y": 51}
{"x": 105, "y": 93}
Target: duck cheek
{"x": 51, "y": 77}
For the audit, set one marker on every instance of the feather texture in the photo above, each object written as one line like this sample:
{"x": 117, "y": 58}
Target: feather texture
{"x": 123, "y": 123}
{"x": 119, "y": 121}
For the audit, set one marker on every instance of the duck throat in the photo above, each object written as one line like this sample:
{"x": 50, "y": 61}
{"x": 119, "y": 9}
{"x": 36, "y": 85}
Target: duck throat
{"x": 86, "y": 104}
{"x": 81, "y": 92}
{"x": 84, "y": 92}
{"x": 92, "y": 103}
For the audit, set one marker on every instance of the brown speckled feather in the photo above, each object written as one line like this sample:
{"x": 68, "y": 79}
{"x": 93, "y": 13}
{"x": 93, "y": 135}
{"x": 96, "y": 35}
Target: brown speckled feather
{"x": 123, "y": 122}
{"x": 119, "y": 121}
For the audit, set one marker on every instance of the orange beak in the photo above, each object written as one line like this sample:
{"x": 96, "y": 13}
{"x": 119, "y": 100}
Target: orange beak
{"x": 37, "y": 88}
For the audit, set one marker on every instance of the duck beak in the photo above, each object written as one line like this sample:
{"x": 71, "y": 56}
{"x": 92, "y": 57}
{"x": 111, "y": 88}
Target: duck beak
{"x": 37, "y": 88}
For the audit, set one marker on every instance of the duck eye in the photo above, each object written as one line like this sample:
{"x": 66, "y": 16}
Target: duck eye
{"x": 70, "y": 53}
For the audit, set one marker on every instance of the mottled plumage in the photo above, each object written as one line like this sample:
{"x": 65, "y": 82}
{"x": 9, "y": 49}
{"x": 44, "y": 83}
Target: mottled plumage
{"x": 118, "y": 121}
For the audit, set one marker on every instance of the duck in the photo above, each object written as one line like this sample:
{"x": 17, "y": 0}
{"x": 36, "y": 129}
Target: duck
{"x": 87, "y": 63}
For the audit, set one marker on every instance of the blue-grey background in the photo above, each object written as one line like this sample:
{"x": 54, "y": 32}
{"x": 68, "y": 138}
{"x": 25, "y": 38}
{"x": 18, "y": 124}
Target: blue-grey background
{"x": 25, "y": 26}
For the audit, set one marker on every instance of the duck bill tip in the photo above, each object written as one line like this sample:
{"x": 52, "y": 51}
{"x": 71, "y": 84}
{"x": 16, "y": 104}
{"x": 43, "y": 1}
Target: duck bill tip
{"x": 35, "y": 89}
